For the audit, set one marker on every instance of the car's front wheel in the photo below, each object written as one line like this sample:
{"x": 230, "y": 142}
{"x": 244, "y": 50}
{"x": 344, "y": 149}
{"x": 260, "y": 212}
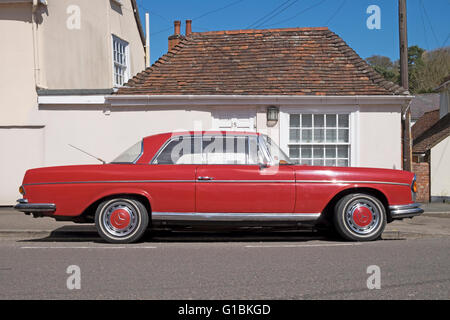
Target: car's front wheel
{"x": 360, "y": 217}
{"x": 121, "y": 220}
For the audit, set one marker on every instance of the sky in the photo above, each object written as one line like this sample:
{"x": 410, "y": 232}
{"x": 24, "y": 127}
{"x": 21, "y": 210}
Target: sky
{"x": 428, "y": 20}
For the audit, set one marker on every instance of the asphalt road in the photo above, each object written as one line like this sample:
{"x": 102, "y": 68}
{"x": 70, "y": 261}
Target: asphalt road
{"x": 256, "y": 266}
{"x": 413, "y": 260}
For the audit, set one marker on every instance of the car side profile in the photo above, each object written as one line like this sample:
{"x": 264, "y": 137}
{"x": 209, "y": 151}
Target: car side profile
{"x": 216, "y": 178}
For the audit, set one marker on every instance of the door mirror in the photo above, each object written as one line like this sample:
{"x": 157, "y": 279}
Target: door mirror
{"x": 263, "y": 166}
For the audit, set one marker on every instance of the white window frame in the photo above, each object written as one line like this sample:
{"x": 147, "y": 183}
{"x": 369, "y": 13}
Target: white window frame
{"x": 126, "y": 75}
{"x": 352, "y": 111}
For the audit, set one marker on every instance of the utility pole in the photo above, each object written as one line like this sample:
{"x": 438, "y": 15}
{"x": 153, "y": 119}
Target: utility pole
{"x": 147, "y": 40}
{"x": 404, "y": 82}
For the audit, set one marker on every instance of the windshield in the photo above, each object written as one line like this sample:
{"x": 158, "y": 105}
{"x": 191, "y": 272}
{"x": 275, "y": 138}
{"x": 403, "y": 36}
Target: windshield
{"x": 130, "y": 155}
{"x": 278, "y": 156}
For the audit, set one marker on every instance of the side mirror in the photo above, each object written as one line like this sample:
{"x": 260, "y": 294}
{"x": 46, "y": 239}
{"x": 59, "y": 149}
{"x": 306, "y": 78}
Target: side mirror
{"x": 263, "y": 166}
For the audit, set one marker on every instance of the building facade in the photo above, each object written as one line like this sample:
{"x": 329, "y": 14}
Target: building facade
{"x": 59, "y": 48}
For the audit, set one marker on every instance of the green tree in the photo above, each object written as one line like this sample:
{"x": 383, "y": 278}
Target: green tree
{"x": 426, "y": 69}
{"x": 384, "y": 66}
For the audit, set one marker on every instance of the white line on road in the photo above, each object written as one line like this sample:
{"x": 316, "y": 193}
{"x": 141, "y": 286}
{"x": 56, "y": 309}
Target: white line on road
{"x": 304, "y": 245}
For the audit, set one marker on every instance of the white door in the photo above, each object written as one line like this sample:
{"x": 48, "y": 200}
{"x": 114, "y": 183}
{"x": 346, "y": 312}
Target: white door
{"x": 234, "y": 120}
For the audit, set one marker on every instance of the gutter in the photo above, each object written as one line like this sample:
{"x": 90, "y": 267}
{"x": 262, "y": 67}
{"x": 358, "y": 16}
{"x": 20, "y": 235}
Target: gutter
{"x": 183, "y": 100}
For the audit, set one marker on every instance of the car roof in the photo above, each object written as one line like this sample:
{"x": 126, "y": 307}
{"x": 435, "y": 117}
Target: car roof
{"x": 206, "y": 132}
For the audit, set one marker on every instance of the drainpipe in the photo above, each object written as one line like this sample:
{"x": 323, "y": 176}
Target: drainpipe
{"x": 147, "y": 40}
{"x": 37, "y": 70}
{"x": 407, "y": 138}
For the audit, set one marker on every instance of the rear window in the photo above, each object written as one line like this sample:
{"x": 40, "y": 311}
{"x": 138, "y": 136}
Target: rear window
{"x": 130, "y": 155}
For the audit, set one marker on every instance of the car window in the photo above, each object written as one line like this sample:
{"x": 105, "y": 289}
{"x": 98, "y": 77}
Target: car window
{"x": 181, "y": 150}
{"x": 212, "y": 149}
{"x": 224, "y": 150}
{"x": 130, "y": 155}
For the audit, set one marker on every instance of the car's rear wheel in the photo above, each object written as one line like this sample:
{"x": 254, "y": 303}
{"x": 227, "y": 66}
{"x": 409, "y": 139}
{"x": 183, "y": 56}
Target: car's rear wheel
{"x": 360, "y": 217}
{"x": 121, "y": 220}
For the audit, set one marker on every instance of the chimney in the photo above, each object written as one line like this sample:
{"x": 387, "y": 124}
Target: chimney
{"x": 176, "y": 37}
{"x": 188, "y": 27}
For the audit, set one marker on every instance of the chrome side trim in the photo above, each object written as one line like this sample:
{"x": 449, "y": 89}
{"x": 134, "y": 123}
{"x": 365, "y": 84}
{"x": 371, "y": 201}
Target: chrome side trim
{"x": 348, "y": 182}
{"x": 199, "y": 216}
{"x": 110, "y": 181}
{"x": 223, "y": 181}
{"x": 248, "y": 181}
{"x": 405, "y": 211}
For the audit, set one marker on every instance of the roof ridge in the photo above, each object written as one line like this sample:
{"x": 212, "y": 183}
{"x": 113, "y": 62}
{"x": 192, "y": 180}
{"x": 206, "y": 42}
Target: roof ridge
{"x": 250, "y": 31}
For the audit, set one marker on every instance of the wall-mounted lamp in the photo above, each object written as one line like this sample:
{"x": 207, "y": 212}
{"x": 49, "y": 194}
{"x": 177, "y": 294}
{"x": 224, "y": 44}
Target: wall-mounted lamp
{"x": 272, "y": 114}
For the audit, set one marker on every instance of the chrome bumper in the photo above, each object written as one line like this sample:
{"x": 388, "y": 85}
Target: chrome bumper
{"x": 24, "y": 206}
{"x": 405, "y": 211}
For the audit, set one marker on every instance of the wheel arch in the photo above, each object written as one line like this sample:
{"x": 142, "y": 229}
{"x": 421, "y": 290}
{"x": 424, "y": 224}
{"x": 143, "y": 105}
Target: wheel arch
{"x": 88, "y": 214}
{"x": 329, "y": 208}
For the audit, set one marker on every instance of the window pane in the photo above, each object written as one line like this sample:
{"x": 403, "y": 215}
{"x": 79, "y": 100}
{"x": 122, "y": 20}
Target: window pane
{"x": 319, "y": 120}
{"x": 343, "y": 121}
{"x": 331, "y": 135}
{"x": 330, "y": 163}
{"x": 306, "y": 120}
{"x": 343, "y": 135}
{"x": 294, "y": 135}
{"x": 294, "y": 120}
{"x": 306, "y": 152}
{"x": 331, "y": 120}
{"x": 317, "y": 162}
{"x": 330, "y": 152}
{"x": 294, "y": 152}
{"x": 307, "y": 135}
{"x": 342, "y": 163}
{"x": 318, "y": 152}
{"x": 319, "y": 135}
{"x": 342, "y": 151}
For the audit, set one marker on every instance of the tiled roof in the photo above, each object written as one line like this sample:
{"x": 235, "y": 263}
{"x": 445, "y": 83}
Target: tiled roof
{"x": 431, "y": 137}
{"x": 422, "y": 103}
{"x": 296, "y": 61}
{"x": 424, "y": 123}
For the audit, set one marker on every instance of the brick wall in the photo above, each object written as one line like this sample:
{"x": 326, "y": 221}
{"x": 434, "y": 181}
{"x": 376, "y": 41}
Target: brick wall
{"x": 422, "y": 171}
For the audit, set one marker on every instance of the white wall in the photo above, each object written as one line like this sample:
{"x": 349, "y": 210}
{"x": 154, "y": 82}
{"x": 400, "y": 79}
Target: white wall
{"x": 106, "y": 136}
{"x": 21, "y": 148}
{"x": 380, "y": 137}
{"x": 440, "y": 169}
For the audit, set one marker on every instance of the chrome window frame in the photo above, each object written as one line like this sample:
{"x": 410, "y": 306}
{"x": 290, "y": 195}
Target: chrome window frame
{"x": 259, "y": 140}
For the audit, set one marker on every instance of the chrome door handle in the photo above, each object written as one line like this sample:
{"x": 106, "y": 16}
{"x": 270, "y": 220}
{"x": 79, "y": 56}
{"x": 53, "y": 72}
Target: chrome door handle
{"x": 205, "y": 178}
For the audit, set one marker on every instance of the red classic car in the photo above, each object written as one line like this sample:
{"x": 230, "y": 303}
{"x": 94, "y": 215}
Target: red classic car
{"x": 216, "y": 178}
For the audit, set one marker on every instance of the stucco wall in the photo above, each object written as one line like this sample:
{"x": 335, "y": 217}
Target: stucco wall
{"x": 380, "y": 136}
{"x": 82, "y": 58}
{"x": 440, "y": 169}
{"x": 106, "y": 136}
{"x": 17, "y": 90}
{"x": 22, "y": 148}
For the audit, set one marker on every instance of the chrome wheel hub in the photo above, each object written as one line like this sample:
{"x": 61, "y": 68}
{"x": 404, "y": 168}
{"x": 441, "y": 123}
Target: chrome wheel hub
{"x": 362, "y": 216}
{"x": 120, "y": 218}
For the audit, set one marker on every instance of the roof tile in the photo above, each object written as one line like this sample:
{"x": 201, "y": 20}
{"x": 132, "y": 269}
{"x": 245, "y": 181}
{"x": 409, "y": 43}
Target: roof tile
{"x": 291, "y": 61}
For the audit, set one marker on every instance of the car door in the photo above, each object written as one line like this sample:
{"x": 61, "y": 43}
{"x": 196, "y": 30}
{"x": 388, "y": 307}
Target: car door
{"x": 172, "y": 176}
{"x": 231, "y": 179}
